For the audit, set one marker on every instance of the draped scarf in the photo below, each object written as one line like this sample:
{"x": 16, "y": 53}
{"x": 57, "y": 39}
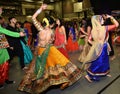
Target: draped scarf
{"x": 98, "y": 34}
{"x": 41, "y": 62}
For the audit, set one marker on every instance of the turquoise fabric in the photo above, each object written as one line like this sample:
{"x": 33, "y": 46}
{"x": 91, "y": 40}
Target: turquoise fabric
{"x": 41, "y": 62}
{"x": 28, "y": 56}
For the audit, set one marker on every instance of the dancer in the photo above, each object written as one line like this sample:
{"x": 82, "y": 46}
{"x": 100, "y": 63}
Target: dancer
{"x": 4, "y": 56}
{"x": 60, "y": 38}
{"x": 50, "y": 67}
{"x": 28, "y": 56}
{"x": 72, "y": 44}
{"x": 108, "y": 21}
{"x": 82, "y": 33}
{"x": 98, "y": 54}
{"x": 15, "y": 44}
{"x": 87, "y": 46}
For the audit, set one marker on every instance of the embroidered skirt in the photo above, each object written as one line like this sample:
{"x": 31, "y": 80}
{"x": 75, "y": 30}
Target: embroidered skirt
{"x": 100, "y": 67}
{"x": 58, "y": 70}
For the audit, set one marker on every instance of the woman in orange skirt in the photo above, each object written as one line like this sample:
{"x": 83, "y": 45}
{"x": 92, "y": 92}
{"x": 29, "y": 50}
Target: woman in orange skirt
{"x": 72, "y": 44}
{"x": 50, "y": 67}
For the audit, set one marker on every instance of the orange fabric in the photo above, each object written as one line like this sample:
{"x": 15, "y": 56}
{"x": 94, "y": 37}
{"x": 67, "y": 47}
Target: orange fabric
{"x": 54, "y": 57}
{"x": 4, "y": 72}
{"x": 28, "y": 26}
{"x": 72, "y": 45}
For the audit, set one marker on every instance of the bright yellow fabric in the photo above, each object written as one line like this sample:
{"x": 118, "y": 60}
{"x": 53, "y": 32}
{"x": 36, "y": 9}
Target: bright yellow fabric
{"x": 54, "y": 57}
{"x": 46, "y": 21}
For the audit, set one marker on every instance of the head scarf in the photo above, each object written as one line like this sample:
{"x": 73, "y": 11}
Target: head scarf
{"x": 98, "y": 31}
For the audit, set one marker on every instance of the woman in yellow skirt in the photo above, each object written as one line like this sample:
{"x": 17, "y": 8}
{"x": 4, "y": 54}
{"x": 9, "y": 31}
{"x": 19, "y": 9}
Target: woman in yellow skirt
{"x": 49, "y": 67}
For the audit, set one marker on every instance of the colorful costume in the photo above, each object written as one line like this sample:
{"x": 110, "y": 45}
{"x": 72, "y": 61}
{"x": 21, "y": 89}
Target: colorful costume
{"x": 98, "y": 55}
{"x": 4, "y": 56}
{"x": 49, "y": 68}
{"x": 59, "y": 42}
{"x": 28, "y": 56}
{"x": 72, "y": 44}
{"x": 28, "y": 25}
{"x": 85, "y": 50}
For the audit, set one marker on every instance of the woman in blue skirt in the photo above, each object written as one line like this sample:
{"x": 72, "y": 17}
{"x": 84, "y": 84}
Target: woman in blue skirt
{"x": 97, "y": 57}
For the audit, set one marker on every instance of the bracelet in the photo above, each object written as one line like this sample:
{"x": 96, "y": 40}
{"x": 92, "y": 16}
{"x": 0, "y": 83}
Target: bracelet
{"x": 38, "y": 11}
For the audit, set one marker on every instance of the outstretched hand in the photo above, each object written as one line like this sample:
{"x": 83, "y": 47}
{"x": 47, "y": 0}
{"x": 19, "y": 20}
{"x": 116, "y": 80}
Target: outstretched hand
{"x": 22, "y": 34}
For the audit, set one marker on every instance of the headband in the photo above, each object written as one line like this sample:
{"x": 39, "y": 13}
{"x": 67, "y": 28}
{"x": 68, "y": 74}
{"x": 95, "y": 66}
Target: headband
{"x": 45, "y": 20}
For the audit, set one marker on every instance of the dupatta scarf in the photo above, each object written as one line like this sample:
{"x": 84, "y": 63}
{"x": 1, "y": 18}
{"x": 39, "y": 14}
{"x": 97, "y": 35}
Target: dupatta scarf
{"x": 98, "y": 34}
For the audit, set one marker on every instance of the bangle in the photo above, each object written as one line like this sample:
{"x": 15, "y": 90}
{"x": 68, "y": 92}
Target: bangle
{"x": 111, "y": 18}
{"x": 38, "y": 11}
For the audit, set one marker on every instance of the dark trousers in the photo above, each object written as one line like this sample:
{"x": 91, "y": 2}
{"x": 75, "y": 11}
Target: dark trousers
{"x": 17, "y": 51}
{"x": 110, "y": 43}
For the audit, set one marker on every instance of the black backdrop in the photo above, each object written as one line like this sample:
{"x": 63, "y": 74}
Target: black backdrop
{"x": 105, "y": 6}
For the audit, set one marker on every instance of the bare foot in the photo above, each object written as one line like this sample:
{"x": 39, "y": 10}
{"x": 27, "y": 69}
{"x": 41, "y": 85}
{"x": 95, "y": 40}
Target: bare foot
{"x": 64, "y": 85}
{"x": 112, "y": 58}
{"x": 25, "y": 68}
{"x": 88, "y": 79}
{"x": 109, "y": 75}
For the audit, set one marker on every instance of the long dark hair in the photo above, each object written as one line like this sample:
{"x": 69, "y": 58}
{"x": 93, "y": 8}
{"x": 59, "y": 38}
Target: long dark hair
{"x": 61, "y": 22}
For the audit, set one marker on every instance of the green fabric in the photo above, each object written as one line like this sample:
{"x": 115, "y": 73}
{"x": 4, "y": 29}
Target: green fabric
{"x": 41, "y": 62}
{"x": 4, "y": 56}
{"x": 81, "y": 41}
{"x": 8, "y": 32}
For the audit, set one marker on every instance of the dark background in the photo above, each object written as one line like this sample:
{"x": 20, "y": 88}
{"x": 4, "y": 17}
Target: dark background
{"x": 105, "y": 6}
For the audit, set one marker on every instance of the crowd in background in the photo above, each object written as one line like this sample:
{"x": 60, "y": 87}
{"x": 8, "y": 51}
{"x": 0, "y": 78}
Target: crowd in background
{"x": 67, "y": 37}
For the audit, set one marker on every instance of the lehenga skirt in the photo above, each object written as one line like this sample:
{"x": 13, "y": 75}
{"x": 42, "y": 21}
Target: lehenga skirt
{"x": 72, "y": 46}
{"x": 4, "y": 72}
{"x": 99, "y": 67}
{"x": 58, "y": 70}
{"x": 63, "y": 51}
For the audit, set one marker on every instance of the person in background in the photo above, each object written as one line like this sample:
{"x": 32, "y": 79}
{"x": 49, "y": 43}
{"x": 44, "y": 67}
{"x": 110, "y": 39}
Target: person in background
{"x": 82, "y": 33}
{"x": 108, "y": 21}
{"x": 15, "y": 45}
{"x": 72, "y": 44}
{"x": 87, "y": 46}
{"x": 34, "y": 37}
{"x": 28, "y": 56}
{"x": 60, "y": 37}
{"x": 28, "y": 25}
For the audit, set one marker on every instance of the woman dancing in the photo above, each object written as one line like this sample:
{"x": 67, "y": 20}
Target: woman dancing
{"x": 50, "y": 67}
{"x": 98, "y": 55}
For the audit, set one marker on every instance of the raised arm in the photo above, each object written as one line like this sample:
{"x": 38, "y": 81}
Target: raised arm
{"x": 81, "y": 29}
{"x": 115, "y": 23}
{"x": 35, "y": 21}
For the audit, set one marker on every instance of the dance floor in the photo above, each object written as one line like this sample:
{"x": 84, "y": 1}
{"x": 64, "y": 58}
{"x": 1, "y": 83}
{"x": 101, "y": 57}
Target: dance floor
{"x": 105, "y": 86}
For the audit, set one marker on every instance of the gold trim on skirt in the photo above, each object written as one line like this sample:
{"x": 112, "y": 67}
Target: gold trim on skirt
{"x": 58, "y": 71}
